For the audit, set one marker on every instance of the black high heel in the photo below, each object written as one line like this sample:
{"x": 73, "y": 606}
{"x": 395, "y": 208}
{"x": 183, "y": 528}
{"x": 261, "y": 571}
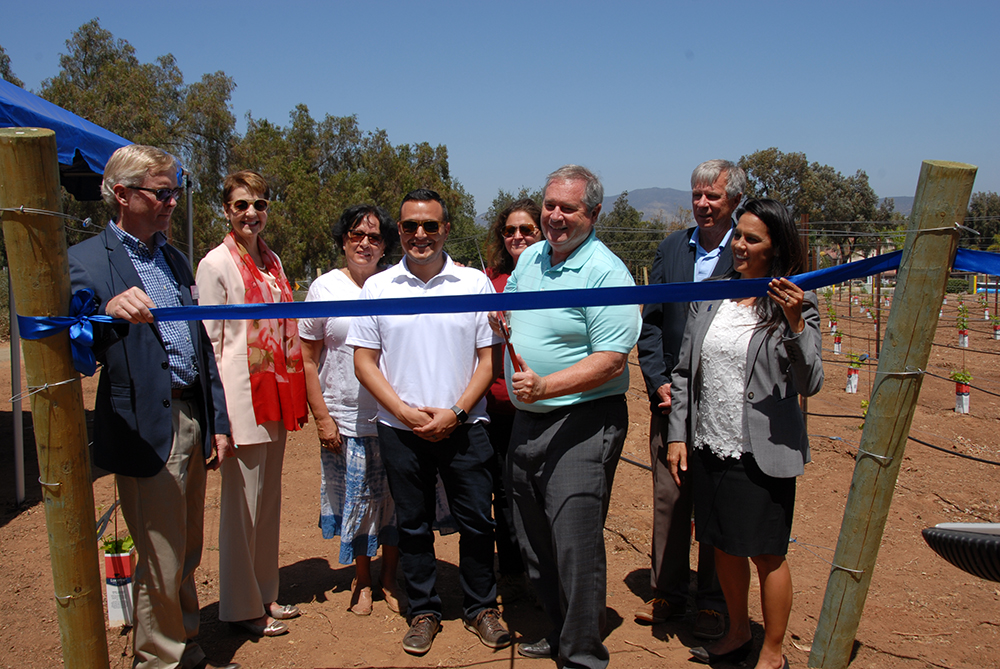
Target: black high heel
{"x": 702, "y": 654}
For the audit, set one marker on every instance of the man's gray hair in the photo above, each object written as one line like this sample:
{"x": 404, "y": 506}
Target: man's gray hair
{"x": 709, "y": 171}
{"x": 129, "y": 166}
{"x": 593, "y": 195}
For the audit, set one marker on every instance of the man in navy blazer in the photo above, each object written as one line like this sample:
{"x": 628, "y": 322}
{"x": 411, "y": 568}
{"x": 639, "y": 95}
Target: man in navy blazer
{"x": 694, "y": 254}
{"x": 160, "y": 414}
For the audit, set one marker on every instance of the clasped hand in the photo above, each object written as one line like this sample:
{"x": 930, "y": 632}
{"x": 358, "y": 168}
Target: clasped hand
{"x": 430, "y": 423}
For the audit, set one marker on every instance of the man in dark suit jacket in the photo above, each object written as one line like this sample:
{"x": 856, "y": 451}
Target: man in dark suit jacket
{"x": 160, "y": 409}
{"x": 688, "y": 255}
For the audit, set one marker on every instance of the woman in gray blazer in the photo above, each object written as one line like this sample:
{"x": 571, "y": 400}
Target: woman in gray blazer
{"x": 735, "y": 421}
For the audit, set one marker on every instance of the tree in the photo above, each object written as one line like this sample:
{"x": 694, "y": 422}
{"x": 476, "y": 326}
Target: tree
{"x": 847, "y": 208}
{"x": 5, "y": 72}
{"x": 315, "y": 169}
{"x": 984, "y": 217}
{"x": 318, "y": 169}
{"x": 776, "y": 175}
{"x": 101, "y": 79}
{"x": 628, "y": 236}
{"x": 504, "y": 198}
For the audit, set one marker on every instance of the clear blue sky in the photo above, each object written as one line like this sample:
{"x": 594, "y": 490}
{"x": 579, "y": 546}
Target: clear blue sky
{"x": 639, "y": 91}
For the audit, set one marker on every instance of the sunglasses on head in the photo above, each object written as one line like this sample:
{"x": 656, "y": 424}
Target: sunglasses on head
{"x": 357, "y": 236}
{"x": 161, "y": 194}
{"x": 525, "y": 230}
{"x": 242, "y": 205}
{"x": 430, "y": 227}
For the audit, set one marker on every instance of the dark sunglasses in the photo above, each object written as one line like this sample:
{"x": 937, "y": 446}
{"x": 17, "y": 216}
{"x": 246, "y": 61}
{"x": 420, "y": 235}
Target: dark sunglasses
{"x": 161, "y": 194}
{"x": 526, "y": 230}
{"x": 374, "y": 238}
{"x": 430, "y": 227}
{"x": 243, "y": 205}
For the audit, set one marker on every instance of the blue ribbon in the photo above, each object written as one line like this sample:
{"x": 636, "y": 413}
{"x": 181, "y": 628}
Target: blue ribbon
{"x": 83, "y": 306}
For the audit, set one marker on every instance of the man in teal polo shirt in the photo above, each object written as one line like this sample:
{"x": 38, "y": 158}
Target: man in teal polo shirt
{"x": 572, "y": 417}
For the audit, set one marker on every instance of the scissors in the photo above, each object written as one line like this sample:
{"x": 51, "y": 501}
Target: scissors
{"x": 505, "y": 332}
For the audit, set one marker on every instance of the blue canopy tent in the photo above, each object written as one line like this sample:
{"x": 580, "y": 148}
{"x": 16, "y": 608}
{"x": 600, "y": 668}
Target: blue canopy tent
{"x": 83, "y": 147}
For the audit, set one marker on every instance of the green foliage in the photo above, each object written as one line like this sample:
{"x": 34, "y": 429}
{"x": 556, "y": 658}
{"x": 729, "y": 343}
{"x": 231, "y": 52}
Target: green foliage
{"x": 113, "y": 545}
{"x": 957, "y": 286}
{"x": 962, "y": 320}
{"x": 963, "y": 377}
{"x": 6, "y": 72}
{"x": 984, "y": 218}
{"x": 504, "y": 198}
{"x": 316, "y": 168}
{"x": 845, "y": 205}
{"x": 628, "y": 236}
{"x": 854, "y": 360}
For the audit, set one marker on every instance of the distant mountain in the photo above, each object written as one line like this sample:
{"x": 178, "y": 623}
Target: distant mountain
{"x": 654, "y": 201}
{"x": 903, "y": 204}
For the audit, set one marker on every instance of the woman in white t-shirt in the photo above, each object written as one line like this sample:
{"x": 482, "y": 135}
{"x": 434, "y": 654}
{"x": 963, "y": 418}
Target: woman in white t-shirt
{"x": 355, "y": 501}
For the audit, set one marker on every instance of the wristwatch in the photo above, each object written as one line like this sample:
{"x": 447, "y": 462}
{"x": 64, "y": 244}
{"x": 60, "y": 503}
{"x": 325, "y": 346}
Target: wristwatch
{"x": 460, "y": 414}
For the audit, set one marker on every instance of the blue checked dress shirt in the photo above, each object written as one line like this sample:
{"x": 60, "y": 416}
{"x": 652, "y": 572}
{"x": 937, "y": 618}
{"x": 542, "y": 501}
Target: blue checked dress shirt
{"x": 159, "y": 283}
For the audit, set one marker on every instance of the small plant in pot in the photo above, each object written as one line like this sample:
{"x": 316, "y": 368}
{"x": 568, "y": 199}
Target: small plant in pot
{"x": 119, "y": 566}
{"x": 962, "y": 380}
{"x": 853, "y": 371}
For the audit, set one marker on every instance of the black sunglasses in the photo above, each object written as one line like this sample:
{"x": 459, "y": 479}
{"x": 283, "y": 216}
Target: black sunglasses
{"x": 242, "y": 205}
{"x": 526, "y": 230}
{"x": 161, "y": 194}
{"x": 357, "y": 236}
{"x": 430, "y": 227}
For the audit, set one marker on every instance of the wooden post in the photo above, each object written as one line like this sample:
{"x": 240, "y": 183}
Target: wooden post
{"x": 36, "y": 251}
{"x": 941, "y": 201}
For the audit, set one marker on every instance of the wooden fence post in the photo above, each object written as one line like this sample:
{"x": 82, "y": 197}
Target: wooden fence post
{"x": 941, "y": 201}
{"x": 39, "y": 271}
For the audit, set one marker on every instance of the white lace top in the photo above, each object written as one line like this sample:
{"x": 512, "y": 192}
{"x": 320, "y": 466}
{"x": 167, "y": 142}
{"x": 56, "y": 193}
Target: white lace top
{"x": 719, "y": 424}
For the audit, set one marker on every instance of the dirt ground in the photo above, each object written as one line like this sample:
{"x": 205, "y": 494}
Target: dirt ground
{"x": 920, "y": 611}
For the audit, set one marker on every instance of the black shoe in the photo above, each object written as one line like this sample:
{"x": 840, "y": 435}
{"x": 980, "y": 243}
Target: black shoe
{"x": 734, "y": 656}
{"x": 419, "y": 638}
{"x": 540, "y": 650}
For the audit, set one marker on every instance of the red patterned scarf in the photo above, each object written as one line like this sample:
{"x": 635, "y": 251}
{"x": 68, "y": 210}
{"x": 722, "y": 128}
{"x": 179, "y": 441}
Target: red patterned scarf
{"x": 274, "y": 352}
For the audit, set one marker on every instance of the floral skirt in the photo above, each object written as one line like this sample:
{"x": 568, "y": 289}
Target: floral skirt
{"x": 354, "y": 499}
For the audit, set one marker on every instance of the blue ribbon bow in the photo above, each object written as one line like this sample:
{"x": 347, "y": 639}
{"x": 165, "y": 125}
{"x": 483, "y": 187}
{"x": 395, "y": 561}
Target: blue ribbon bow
{"x": 82, "y": 309}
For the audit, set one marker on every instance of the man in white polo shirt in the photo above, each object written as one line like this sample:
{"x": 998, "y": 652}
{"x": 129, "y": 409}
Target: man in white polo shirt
{"x": 429, "y": 373}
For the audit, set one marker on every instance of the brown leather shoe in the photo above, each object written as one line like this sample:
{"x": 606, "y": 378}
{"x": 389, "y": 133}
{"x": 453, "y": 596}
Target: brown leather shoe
{"x": 419, "y": 638}
{"x": 489, "y": 629}
{"x": 655, "y": 611}
{"x": 709, "y": 624}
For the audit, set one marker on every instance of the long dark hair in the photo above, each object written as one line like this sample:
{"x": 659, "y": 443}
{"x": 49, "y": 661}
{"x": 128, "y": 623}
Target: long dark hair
{"x": 498, "y": 258}
{"x": 787, "y": 256}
